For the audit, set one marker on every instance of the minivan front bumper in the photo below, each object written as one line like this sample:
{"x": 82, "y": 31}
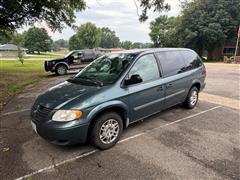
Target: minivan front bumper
{"x": 62, "y": 136}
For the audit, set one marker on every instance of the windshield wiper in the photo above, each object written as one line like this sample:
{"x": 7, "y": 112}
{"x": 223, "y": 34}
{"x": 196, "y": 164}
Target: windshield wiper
{"x": 98, "y": 83}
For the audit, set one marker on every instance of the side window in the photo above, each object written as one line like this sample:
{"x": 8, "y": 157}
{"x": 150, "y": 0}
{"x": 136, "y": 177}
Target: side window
{"x": 172, "y": 62}
{"x": 75, "y": 55}
{"x": 147, "y": 67}
{"x": 192, "y": 60}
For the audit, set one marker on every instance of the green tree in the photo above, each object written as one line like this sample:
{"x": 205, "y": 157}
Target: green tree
{"x": 61, "y": 43}
{"x": 207, "y": 24}
{"x": 88, "y": 36}
{"x": 126, "y": 45}
{"x": 147, "y": 45}
{"x": 164, "y": 31}
{"x": 37, "y": 39}
{"x": 137, "y": 45}
{"x": 108, "y": 38}
{"x": 156, "y": 5}
{"x": 18, "y": 40}
{"x": 74, "y": 43}
{"x": 5, "y": 37}
{"x": 16, "y": 13}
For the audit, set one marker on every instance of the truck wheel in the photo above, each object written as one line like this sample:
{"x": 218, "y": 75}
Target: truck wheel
{"x": 192, "y": 98}
{"x": 61, "y": 70}
{"x": 106, "y": 131}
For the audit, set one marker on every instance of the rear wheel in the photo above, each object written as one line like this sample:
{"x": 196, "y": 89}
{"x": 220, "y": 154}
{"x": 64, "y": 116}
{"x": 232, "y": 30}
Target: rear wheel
{"x": 61, "y": 69}
{"x": 192, "y": 98}
{"x": 107, "y": 130}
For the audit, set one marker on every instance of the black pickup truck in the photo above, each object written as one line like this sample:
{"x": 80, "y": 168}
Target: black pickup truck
{"x": 73, "y": 60}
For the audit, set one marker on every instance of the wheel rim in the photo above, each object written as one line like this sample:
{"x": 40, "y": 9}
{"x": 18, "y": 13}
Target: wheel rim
{"x": 61, "y": 70}
{"x": 193, "y": 98}
{"x": 109, "y": 131}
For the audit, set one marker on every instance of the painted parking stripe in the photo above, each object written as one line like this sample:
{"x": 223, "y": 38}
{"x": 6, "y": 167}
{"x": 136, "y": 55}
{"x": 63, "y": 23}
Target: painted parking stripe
{"x": 168, "y": 124}
{"x": 121, "y": 141}
{"x": 220, "y": 100}
{"x": 14, "y": 112}
{"x": 58, "y": 164}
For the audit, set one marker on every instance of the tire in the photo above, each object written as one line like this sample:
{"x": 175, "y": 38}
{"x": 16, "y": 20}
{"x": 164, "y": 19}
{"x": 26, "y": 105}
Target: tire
{"x": 102, "y": 136}
{"x": 192, "y": 98}
{"x": 61, "y": 70}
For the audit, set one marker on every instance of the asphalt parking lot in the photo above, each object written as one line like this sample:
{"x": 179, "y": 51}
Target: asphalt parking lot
{"x": 202, "y": 143}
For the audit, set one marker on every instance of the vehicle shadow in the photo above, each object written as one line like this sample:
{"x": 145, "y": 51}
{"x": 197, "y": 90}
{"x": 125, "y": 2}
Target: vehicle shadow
{"x": 148, "y": 123}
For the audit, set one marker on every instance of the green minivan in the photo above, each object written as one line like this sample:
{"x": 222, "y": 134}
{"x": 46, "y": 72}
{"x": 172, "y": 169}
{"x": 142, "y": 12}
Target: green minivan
{"x": 116, "y": 90}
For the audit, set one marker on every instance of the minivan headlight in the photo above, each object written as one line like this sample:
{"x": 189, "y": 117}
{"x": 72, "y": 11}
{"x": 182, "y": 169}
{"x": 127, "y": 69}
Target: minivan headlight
{"x": 66, "y": 115}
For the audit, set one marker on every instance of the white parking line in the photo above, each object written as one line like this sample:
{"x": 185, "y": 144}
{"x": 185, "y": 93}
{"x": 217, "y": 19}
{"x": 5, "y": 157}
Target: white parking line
{"x": 123, "y": 140}
{"x": 58, "y": 164}
{"x": 14, "y": 112}
{"x": 168, "y": 124}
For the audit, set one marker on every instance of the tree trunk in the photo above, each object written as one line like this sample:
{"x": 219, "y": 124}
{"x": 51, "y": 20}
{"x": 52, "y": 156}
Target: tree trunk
{"x": 210, "y": 56}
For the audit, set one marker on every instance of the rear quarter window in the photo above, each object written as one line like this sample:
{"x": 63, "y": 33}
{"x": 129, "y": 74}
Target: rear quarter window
{"x": 192, "y": 60}
{"x": 172, "y": 62}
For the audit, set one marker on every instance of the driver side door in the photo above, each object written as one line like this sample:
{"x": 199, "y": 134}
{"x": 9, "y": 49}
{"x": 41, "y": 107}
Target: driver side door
{"x": 76, "y": 60}
{"x": 147, "y": 97}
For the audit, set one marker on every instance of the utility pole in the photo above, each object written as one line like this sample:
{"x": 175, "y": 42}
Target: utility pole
{"x": 236, "y": 49}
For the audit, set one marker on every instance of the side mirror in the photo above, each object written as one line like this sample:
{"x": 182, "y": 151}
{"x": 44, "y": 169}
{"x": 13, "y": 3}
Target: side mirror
{"x": 135, "y": 79}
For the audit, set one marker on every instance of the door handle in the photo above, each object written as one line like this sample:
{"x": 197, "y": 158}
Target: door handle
{"x": 169, "y": 85}
{"x": 160, "y": 88}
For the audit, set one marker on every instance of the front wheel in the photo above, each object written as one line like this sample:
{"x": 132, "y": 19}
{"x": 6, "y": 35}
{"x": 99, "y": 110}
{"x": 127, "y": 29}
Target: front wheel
{"x": 192, "y": 98}
{"x": 61, "y": 70}
{"x": 107, "y": 130}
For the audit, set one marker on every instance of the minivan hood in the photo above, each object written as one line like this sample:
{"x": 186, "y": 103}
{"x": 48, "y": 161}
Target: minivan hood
{"x": 63, "y": 93}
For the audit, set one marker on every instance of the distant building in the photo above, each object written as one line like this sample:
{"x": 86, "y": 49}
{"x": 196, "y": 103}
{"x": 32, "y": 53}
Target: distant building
{"x": 9, "y": 50}
{"x": 227, "y": 50}
{"x": 64, "y": 50}
{"x": 109, "y": 50}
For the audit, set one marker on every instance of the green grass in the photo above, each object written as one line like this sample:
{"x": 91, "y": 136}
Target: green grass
{"x": 15, "y": 77}
{"x": 10, "y": 66}
{"x": 42, "y": 55}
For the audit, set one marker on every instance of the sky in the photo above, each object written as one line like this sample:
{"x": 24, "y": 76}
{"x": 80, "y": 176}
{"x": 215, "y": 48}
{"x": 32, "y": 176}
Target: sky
{"x": 119, "y": 15}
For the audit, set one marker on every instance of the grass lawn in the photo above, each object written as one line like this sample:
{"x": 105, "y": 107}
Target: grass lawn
{"x": 42, "y": 55}
{"x": 15, "y": 77}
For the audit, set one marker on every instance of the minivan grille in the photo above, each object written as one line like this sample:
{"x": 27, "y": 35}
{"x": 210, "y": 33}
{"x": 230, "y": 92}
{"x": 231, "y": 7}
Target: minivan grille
{"x": 40, "y": 113}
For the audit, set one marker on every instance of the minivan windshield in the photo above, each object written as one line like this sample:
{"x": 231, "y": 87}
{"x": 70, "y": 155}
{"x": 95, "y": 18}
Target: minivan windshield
{"x": 106, "y": 69}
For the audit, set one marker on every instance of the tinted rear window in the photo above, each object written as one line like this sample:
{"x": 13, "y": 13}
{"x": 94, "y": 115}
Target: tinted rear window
{"x": 172, "y": 62}
{"x": 192, "y": 60}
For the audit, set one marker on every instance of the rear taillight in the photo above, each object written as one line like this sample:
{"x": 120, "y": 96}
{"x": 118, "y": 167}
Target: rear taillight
{"x": 205, "y": 71}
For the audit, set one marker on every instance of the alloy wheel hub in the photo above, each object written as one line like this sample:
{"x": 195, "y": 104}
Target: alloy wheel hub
{"x": 193, "y": 98}
{"x": 109, "y": 131}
